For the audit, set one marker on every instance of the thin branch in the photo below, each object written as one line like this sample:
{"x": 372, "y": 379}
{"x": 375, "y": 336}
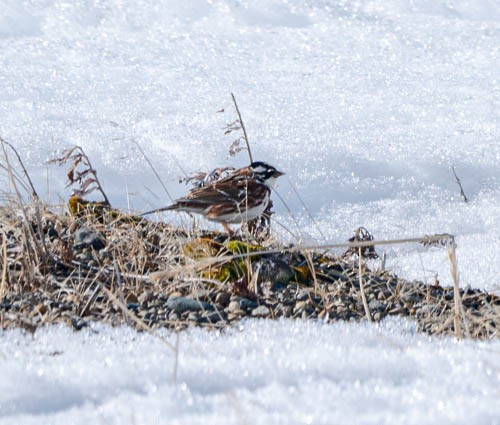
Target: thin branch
{"x": 361, "y": 284}
{"x": 200, "y": 265}
{"x": 94, "y": 172}
{"x": 307, "y": 209}
{"x": 243, "y": 127}
{"x": 458, "y": 308}
{"x": 462, "y": 193}
{"x": 153, "y": 168}
{"x": 3, "y": 284}
{"x": 120, "y": 290}
{"x": 28, "y": 233}
{"x": 34, "y": 193}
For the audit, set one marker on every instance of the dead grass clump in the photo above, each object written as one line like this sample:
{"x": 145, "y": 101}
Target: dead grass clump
{"x": 116, "y": 268}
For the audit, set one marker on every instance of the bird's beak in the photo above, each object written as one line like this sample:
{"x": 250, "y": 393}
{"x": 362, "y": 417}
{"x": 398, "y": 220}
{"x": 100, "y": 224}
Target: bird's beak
{"x": 279, "y": 173}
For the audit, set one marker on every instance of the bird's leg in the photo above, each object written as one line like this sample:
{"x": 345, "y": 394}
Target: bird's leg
{"x": 227, "y": 229}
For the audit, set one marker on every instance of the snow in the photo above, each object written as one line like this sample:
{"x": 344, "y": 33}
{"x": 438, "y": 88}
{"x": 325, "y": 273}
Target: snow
{"x": 366, "y": 105}
{"x": 260, "y": 372}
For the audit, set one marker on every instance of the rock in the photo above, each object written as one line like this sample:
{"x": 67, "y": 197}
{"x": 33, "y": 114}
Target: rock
{"x": 235, "y": 316}
{"x": 87, "y": 238}
{"x": 41, "y": 308}
{"x": 376, "y": 306}
{"x": 300, "y": 306}
{"x": 78, "y": 323}
{"x": 171, "y": 316}
{"x": 181, "y": 304}
{"x": 284, "y": 310}
{"x": 132, "y": 298}
{"x": 133, "y": 306}
{"x": 272, "y": 269}
{"x": 233, "y": 307}
{"x": 426, "y": 310}
{"x": 212, "y": 317}
{"x": 145, "y": 297}
{"x": 303, "y": 295}
{"x": 261, "y": 311}
{"x": 411, "y": 298}
{"x": 243, "y": 303}
{"x": 193, "y": 317}
{"x": 222, "y": 298}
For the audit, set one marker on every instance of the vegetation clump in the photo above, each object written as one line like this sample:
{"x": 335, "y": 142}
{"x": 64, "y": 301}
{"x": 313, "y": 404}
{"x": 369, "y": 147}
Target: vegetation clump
{"x": 101, "y": 265}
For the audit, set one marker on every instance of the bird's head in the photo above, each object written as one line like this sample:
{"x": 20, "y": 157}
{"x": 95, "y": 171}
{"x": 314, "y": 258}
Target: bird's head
{"x": 265, "y": 173}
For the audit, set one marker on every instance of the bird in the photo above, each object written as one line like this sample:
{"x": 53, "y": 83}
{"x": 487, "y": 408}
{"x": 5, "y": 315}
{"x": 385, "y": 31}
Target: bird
{"x": 239, "y": 196}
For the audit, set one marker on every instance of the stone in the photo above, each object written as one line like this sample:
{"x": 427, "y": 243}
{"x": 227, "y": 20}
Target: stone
{"x": 181, "y": 304}
{"x": 300, "y": 306}
{"x": 272, "y": 269}
{"x": 85, "y": 237}
{"x": 243, "y": 303}
{"x": 261, "y": 311}
{"x": 145, "y": 297}
{"x": 376, "y": 306}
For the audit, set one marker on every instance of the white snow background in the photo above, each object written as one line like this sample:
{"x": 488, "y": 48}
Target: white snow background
{"x": 366, "y": 105}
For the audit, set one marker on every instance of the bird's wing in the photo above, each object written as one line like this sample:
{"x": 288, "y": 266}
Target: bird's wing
{"x": 222, "y": 191}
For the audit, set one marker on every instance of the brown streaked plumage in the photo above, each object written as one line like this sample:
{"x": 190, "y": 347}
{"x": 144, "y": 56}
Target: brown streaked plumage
{"x": 239, "y": 197}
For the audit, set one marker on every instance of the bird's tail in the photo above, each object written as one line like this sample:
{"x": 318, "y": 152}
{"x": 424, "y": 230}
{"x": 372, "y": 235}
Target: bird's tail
{"x": 170, "y": 207}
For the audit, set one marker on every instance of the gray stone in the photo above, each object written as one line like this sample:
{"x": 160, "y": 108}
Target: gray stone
{"x": 145, "y": 297}
{"x": 376, "y": 306}
{"x": 261, "y": 311}
{"x": 181, "y": 304}
{"x": 272, "y": 269}
{"x": 300, "y": 306}
{"x": 243, "y": 303}
{"x": 87, "y": 238}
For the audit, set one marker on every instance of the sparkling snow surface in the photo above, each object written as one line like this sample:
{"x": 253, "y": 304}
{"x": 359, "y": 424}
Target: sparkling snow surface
{"x": 260, "y": 373}
{"x": 364, "y": 104}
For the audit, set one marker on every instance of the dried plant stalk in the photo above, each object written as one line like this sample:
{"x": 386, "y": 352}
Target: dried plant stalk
{"x": 452, "y": 256}
{"x": 3, "y": 284}
{"x": 243, "y": 128}
{"x": 361, "y": 285}
{"x": 81, "y": 173}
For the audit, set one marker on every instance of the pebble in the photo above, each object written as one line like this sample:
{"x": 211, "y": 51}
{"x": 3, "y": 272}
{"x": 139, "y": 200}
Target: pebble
{"x": 300, "y": 306}
{"x": 376, "y": 306}
{"x": 261, "y": 311}
{"x": 85, "y": 237}
{"x": 243, "y": 303}
{"x": 181, "y": 304}
{"x": 145, "y": 297}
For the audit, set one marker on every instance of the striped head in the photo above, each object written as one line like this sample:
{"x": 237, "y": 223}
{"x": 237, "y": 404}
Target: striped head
{"x": 265, "y": 173}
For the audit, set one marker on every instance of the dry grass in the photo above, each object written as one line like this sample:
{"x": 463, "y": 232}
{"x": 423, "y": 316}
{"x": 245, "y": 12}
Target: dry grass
{"x": 140, "y": 272}
{"x": 98, "y": 264}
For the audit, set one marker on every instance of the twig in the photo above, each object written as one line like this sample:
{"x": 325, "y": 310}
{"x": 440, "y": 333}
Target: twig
{"x": 34, "y": 193}
{"x": 361, "y": 284}
{"x": 310, "y": 264}
{"x": 462, "y": 193}
{"x": 307, "y": 209}
{"x": 153, "y": 168}
{"x": 452, "y": 256}
{"x": 120, "y": 290}
{"x": 3, "y": 285}
{"x": 28, "y": 232}
{"x": 94, "y": 171}
{"x": 243, "y": 128}
{"x": 289, "y": 211}
{"x": 299, "y": 248}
